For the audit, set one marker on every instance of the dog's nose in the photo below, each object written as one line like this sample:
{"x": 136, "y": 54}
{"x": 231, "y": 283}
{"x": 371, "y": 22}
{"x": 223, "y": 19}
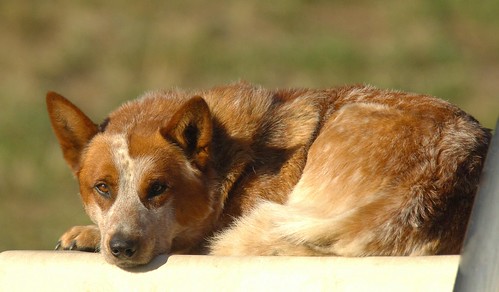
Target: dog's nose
{"x": 122, "y": 247}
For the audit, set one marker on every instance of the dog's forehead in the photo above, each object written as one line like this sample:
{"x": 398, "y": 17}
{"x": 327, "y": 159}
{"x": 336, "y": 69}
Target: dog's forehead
{"x": 131, "y": 165}
{"x": 108, "y": 155}
{"x": 121, "y": 155}
{"x": 129, "y": 152}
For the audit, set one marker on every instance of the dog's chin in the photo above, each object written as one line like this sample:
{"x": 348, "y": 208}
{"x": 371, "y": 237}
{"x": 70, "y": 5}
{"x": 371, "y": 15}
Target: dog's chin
{"x": 128, "y": 263}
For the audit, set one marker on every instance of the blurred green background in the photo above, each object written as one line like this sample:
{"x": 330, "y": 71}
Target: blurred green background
{"x": 101, "y": 53}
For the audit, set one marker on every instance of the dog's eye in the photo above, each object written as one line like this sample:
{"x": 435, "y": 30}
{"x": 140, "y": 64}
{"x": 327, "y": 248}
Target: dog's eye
{"x": 155, "y": 189}
{"x": 103, "y": 189}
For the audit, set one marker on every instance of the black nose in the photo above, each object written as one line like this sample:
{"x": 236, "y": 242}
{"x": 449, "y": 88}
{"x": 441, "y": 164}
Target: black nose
{"x": 122, "y": 246}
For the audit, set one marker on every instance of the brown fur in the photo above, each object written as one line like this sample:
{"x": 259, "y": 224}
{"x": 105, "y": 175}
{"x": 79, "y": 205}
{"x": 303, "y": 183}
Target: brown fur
{"x": 241, "y": 170}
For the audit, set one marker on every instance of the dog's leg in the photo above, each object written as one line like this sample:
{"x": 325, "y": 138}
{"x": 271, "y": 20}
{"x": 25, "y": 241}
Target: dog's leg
{"x": 82, "y": 238}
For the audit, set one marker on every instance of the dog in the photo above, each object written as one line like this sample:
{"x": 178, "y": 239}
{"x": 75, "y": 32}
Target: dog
{"x": 242, "y": 170}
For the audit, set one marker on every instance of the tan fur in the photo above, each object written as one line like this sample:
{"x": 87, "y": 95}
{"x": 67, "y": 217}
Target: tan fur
{"x": 242, "y": 170}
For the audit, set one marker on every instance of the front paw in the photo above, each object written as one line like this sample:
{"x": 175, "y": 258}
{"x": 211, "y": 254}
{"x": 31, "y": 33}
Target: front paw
{"x": 82, "y": 238}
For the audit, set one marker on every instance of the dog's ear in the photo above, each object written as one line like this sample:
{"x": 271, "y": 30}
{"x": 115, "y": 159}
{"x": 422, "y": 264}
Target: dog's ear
{"x": 71, "y": 126}
{"x": 191, "y": 128}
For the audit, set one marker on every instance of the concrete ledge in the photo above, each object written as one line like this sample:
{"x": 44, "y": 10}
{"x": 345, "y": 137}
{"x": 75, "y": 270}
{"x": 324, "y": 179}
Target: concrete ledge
{"x": 78, "y": 271}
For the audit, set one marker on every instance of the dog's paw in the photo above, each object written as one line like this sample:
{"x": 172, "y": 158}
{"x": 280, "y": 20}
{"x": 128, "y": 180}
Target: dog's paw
{"x": 82, "y": 238}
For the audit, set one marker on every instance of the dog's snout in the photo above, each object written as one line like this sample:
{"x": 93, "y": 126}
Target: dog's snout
{"x": 123, "y": 247}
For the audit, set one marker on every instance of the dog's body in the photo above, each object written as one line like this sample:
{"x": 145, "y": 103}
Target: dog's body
{"x": 351, "y": 171}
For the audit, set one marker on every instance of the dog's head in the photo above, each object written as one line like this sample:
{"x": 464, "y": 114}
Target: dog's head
{"x": 144, "y": 174}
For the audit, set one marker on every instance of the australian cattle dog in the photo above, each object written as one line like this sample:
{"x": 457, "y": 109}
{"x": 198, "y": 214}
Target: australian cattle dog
{"x": 243, "y": 170}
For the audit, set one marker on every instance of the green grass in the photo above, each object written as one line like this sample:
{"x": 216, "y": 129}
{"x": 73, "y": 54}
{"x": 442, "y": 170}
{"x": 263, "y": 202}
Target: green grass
{"x": 100, "y": 54}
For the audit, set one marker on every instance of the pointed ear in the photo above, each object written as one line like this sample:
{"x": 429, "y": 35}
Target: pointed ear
{"x": 71, "y": 126}
{"x": 191, "y": 129}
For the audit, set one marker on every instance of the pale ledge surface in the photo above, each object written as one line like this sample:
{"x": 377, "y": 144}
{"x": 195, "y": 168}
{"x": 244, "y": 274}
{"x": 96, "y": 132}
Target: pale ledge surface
{"x": 78, "y": 271}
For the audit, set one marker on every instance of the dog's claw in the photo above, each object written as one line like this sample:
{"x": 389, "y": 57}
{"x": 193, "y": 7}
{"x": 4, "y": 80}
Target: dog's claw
{"x": 59, "y": 246}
